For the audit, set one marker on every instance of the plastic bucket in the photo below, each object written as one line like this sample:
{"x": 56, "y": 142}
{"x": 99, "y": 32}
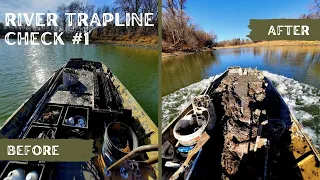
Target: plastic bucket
{"x": 192, "y": 131}
{"x": 119, "y": 140}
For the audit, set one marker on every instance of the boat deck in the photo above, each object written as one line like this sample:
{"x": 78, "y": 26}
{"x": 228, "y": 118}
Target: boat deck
{"x": 80, "y": 95}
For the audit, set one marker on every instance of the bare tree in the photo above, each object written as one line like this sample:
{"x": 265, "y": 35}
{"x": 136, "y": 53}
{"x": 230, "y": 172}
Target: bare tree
{"x": 89, "y": 10}
{"x": 62, "y": 9}
{"x": 316, "y": 5}
{"x": 314, "y": 11}
{"x": 179, "y": 33}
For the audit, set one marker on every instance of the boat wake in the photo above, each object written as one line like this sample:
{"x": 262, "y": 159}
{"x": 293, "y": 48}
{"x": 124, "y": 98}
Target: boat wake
{"x": 302, "y": 99}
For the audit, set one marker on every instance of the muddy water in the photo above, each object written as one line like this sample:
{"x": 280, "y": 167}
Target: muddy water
{"x": 295, "y": 72}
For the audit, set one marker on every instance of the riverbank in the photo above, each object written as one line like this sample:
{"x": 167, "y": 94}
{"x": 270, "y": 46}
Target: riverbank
{"x": 127, "y": 40}
{"x": 276, "y": 43}
{"x": 258, "y": 44}
{"x": 179, "y": 53}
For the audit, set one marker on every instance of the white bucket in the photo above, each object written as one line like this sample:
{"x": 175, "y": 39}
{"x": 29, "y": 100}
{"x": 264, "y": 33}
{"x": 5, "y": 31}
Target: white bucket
{"x": 190, "y": 139}
{"x": 203, "y": 115}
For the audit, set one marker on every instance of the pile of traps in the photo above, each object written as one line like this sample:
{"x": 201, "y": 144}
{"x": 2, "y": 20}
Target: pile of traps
{"x": 242, "y": 95}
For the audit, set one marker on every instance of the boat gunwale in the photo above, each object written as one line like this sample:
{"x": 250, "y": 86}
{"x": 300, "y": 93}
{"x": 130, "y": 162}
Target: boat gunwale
{"x": 139, "y": 108}
{"x": 296, "y": 122}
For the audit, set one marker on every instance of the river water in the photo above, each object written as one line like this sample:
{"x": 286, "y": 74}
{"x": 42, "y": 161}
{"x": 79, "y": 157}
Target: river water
{"x": 295, "y": 71}
{"x": 24, "y": 69}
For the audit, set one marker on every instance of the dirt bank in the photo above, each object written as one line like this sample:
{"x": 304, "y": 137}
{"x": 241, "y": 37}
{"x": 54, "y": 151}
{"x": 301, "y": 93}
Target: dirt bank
{"x": 179, "y": 53}
{"x": 131, "y": 41}
{"x": 276, "y": 43}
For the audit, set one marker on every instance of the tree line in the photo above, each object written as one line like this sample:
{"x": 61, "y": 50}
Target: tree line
{"x": 234, "y": 42}
{"x": 178, "y": 33}
{"x": 79, "y": 6}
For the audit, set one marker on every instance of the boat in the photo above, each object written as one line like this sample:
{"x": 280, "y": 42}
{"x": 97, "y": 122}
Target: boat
{"x": 253, "y": 134}
{"x": 85, "y": 100}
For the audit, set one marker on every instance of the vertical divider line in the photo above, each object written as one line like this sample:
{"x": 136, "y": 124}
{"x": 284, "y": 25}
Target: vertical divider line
{"x": 160, "y": 87}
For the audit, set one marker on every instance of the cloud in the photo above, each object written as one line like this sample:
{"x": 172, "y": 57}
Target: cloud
{"x": 32, "y": 6}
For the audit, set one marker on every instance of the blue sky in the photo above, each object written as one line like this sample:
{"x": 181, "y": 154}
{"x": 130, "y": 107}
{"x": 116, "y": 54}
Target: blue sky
{"x": 230, "y": 19}
{"x": 101, "y": 2}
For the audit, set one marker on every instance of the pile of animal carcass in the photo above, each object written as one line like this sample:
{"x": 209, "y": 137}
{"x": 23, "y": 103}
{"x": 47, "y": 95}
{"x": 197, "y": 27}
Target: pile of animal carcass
{"x": 240, "y": 92}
